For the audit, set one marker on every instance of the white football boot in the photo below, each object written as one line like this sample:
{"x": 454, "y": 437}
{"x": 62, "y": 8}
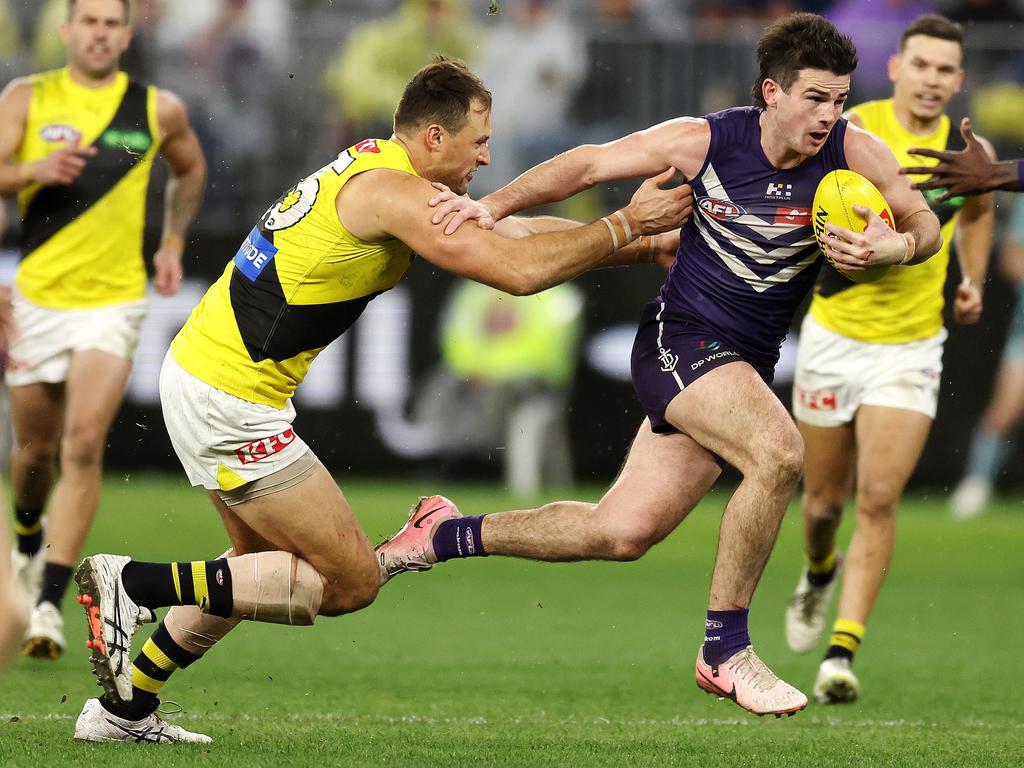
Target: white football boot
{"x": 44, "y": 638}
{"x": 970, "y": 498}
{"x": 836, "y": 683}
{"x": 96, "y": 724}
{"x": 113, "y": 619}
{"x": 807, "y": 611}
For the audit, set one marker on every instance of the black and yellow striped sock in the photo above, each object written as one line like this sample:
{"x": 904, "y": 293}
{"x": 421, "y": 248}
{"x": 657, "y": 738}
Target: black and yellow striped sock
{"x": 821, "y": 572}
{"x": 847, "y": 635}
{"x": 206, "y": 583}
{"x": 28, "y": 528}
{"x": 152, "y": 668}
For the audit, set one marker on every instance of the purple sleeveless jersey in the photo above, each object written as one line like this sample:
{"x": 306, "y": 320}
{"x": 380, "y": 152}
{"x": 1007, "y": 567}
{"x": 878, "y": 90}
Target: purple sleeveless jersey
{"x": 746, "y": 259}
{"x": 747, "y": 256}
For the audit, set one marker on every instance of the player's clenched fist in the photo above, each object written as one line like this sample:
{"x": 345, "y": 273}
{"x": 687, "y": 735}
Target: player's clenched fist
{"x": 62, "y": 166}
{"x": 654, "y": 209}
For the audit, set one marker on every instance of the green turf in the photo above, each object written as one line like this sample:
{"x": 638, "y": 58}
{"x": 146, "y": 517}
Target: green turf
{"x": 501, "y": 662}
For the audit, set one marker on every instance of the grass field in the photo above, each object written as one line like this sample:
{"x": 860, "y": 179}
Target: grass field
{"x": 502, "y": 662}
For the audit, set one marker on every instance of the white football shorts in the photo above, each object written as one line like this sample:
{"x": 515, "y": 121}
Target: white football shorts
{"x": 222, "y": 441}
{"x": 835, "y": 375}
{"x": 45, "y": 338}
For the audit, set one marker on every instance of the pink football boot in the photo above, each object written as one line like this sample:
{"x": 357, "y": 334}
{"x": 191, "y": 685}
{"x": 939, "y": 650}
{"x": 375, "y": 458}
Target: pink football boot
{"x": 412, "y": 548}
{"x": 745, "y": 679}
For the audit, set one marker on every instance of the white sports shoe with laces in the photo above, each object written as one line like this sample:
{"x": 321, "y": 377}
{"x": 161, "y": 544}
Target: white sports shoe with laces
{"x": 745, "y": 679}
{"x": 96, "y": 724}
{"x": 807, "y": 611}
{"x": 44, "y": 638}
{"x": 836, "y": 683}
{"x": 28, "y": 575}
{"x": 113, "y": 619}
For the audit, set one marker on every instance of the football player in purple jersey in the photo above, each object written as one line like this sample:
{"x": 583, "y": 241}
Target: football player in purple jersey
{"x": 706, "y": 347}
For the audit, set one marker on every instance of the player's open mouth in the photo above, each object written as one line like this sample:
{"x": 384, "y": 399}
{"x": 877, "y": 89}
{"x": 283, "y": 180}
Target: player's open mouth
{"x": 819, "y": 136}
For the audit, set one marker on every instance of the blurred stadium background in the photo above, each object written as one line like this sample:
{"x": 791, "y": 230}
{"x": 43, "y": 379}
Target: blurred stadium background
{"x": 275, "y": 87}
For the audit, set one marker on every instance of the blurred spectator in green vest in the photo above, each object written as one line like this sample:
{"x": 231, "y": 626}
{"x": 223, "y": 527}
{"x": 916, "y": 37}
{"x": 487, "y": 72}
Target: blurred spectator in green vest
{"x": 502, "y": 389}
{"x": 378, "y": 57}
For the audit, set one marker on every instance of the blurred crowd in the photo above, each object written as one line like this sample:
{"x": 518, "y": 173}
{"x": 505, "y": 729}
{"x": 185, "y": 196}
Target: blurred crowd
{"x": 273, "y": 85}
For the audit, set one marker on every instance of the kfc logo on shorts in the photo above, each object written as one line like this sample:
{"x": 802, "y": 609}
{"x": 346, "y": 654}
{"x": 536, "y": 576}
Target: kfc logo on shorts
{"x": 260, "y": 449}
{"x": 817, "y": 400}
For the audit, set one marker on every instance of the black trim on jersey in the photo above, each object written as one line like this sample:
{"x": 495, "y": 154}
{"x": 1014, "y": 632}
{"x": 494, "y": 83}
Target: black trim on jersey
{"x": 53, "y": 208}
{"x": 273, "y": 329}
{"x": 831, "y": 281}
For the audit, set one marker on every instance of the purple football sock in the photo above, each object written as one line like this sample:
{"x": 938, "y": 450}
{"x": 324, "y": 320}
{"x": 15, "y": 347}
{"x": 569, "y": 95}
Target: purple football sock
{"x": 725, "y": 633}
{"x": 459, "y": 538}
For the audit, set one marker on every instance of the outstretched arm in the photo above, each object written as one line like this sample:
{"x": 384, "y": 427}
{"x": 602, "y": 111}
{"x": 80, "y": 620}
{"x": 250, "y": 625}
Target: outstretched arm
{"x": 969, "y": 171}
{"x": 184, "y": 191}
{"x": 657, "y": 249}
{"x": 681, "y": 143}
{"x": 382, "y": 204}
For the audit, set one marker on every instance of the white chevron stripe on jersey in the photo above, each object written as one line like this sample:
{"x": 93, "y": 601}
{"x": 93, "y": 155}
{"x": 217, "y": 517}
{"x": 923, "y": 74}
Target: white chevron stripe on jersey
{"x": 749, "y": 247}
{"x": 742, "y": 271}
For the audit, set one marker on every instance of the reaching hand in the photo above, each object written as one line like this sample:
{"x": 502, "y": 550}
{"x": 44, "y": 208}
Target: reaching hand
{"x": 167, "y": 264}
{"x": 463, "y": 206}
{"x": 653, "y": 209}
{"x": 965, "y": 172}
{"x": 61, "y": 167}
{"x": 665, "y": 249}
{"x": 967, "y": 305}
{"x": 877, "y": 245}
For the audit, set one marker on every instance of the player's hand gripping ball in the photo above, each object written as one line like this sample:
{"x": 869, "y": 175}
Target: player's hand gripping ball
{"x": 834, "y": 199}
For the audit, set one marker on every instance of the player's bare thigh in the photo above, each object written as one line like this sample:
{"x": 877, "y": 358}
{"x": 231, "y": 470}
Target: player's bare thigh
{"x": 313, "y": 520}
{"x": 830, "y": 455}
{"x": 730, "y": 411}
{"x": 662, "y": 480}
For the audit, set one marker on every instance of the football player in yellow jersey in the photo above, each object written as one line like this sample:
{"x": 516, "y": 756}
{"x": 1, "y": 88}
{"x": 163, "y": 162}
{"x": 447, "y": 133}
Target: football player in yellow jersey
{"x": 869, "y": 365}
{"x": 301, "y": 277}
{"x": 77, "y": 146}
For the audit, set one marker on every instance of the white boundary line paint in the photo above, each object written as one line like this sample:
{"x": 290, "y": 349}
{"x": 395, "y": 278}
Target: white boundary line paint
{"x": 412, "y": 719}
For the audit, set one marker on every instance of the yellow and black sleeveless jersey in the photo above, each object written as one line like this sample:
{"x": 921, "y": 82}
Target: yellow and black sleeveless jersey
{"x": 906, "y": 304}
{"x": 82, "y": 243}
{"x": 299, "y": 280}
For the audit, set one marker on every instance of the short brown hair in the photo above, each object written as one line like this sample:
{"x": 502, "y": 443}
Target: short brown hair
{"x": 126, "y": 3}
{"x": 933, "y": 25}
{"x": 801, "y": 41}
{"x": 442, "y": 92}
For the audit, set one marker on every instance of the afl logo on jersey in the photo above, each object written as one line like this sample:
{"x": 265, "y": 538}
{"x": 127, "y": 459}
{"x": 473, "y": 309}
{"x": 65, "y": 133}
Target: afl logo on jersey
{"x": 723, "y": 210}
{"x": 54, "y": 133}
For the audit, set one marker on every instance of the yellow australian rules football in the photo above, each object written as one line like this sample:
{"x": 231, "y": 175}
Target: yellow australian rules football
{"x": 834, "y": 199}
